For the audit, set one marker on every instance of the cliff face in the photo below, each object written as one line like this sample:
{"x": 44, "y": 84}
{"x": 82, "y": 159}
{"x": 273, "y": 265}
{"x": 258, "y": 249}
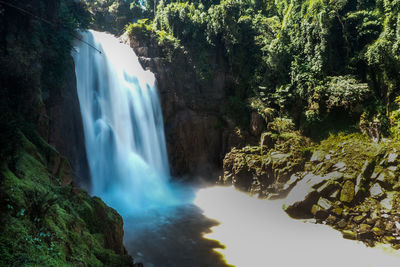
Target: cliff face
{"x": 197, "y": 134}
{"x": 65, "y": 127}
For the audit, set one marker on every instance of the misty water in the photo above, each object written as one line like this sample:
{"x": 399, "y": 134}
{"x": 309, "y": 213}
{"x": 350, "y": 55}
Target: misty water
{"x": 168, "y": 224}
{"x": 123, "y": 126}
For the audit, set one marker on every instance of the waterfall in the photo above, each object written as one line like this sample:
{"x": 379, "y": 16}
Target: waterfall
{"x": 123, "y": 125}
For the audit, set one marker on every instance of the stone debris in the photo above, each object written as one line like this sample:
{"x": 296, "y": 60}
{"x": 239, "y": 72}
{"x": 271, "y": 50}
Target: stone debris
{"x": 376, "y": 191}
{"x": 341, "y": 188}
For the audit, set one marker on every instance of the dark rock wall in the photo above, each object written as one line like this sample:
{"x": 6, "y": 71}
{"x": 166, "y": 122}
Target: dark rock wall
{"x": 65, "y": 129}
{"x": 197, "y": 135}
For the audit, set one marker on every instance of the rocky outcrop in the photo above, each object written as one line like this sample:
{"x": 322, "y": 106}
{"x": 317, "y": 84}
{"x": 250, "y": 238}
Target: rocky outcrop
{"x": 268, "y": 170}
{"x": 197, "y": 135}
{"x": 356, "y": 191}
{"x": 64, "y": 128}
{"x": 347, "y": 182}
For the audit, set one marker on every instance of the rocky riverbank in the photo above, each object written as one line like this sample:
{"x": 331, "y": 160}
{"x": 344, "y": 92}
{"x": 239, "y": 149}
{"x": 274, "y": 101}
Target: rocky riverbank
{"x": 346, "y": 181}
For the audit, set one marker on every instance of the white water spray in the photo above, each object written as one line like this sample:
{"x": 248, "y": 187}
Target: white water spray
{"x": 259, "y": 233}
{"x": 123, "y": 125}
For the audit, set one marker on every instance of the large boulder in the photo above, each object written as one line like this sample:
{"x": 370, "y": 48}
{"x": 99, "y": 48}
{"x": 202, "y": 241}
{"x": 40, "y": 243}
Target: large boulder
{"x": 303, "y": 196}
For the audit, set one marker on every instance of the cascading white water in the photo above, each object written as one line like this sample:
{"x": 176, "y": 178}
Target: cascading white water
{"x": 123, "y": 125}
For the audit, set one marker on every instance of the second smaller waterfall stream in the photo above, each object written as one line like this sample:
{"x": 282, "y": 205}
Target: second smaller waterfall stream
{"x": 123, "y": 125}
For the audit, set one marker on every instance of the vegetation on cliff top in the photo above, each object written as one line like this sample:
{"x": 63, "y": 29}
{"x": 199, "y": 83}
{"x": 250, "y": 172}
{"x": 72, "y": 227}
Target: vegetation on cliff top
{"x": 313, "y": 61}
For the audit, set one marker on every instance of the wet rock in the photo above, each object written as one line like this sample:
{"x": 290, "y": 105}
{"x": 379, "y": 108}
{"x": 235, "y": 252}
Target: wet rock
{"x": 370, "y": 221}
{"x": 377, "y": 231}
{"x": 381, "y": 177}
{"x": 334, "y": 194}
{"x": 327, "y": 188}
{"x": 397, "y": 225}
{"x": 341, "y": 224}
{"x": 389, "y": 226}
{"x": 376, "y": 191}
{"x": 348, "y": 234}
{"x": 334, "y": 175}
{"x": 364, "y": 228}
{"x": 392, "y": 168}
{"x": 331, "y": 219}
{"x": 360, "y": 218}
{"x": 303, "y": 196}
{"x": 392, "y": 157}
{"x": 389, "y": 239}
{"x": 387, "y": 203}
{"x": 324, "y": 203}
{"x": 341, "y": 166}
{"x": 144, "y": 51}
{"x": 318, "y": 156}
{"x": 357, "y": 188}
{"x": 364, "y": 231}
{"x": 368, "y": 169}
{"x": 301, "y": 208}
{"x": 347, "y": 193}
{"x": 279, "y": 157}
{"x": 319, "y": 213}
{"x": 337, "y": 211}
{"x": 65, "y": 128}
{"x": 292, "y": 181}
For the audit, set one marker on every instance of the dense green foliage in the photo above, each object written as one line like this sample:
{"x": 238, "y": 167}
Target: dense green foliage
{"x": 312, "y": 60}
{"x": 46, "y": 222}
{"x": 113, "y": 15}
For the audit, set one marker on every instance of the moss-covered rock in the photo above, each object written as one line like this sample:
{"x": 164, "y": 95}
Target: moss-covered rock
{"x": 359, "y": 199}
{"x": 347, "y": 192}
{"x": 266, "y": 172}
{"x": 48, "y": 222}
{"x": 346, "y": 181}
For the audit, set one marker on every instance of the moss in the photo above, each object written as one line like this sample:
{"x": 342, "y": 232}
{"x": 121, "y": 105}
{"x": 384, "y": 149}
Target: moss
{"x": 47, "y": 223}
